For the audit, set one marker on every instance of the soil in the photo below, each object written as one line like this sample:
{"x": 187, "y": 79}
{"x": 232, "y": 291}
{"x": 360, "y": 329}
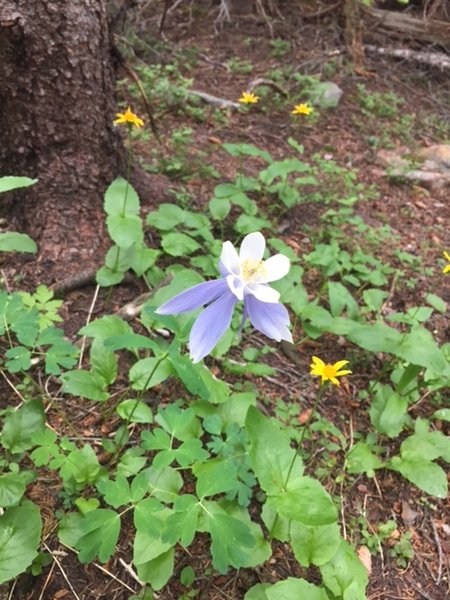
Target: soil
{"x": 418, "y": 217}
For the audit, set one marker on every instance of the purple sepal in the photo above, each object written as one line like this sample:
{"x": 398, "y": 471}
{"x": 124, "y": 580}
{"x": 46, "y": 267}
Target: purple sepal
{"x": 269, "y": 318}
{"x": 195, "y": 297}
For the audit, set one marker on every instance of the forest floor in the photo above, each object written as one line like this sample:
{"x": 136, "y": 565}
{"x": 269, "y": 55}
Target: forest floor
{"x": 387, "y": 106}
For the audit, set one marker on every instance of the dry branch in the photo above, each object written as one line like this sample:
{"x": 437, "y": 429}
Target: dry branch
{"x": 435, "y": 59}
{"x": 405, "y": 26}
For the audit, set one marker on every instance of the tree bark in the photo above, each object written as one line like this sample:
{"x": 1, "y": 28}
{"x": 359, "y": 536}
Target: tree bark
{"x": 56, "y": 121}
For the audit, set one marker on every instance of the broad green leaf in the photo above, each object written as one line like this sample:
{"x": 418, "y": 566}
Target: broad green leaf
{"x": 19, "y": 359}
{"x": 167, "y": 217}
{"x": 106, "y": 277}
{"x": 135, "y": 411}
{"x": 189, "y": 374}
{"x": 80, "y": 468}
{"x": 247, "y": 150}
{"x": 420, "y": 348}
{"x": 388, "y": 410}
{"x": 219, "y": 208}
{"x": 115, "y": 493}
{"x": 425, "y": 474}
{"x": 229, "y": 538}
{"x": 182, "y": 424}
{"x": 164, "y": 484}
{"x": 70, "y": 530}
{"x": 148, "y": 372}
{"x": 344, "y": 575}
{"x": 154, "y": 560}
{"x": 20, "y": 426}
{"x": 270, "y": 454}
{"x": 376, "y": 338}
{"x": 249, "y": 223}
{"x": 437, "y": 303}
{"x": 125, "y": 230}
{"x": 314, "y": 545}
{"x": 182, "y": 524}
{"x": 443, "y": 414}
{"x": 179, "y": 244}
{"x": 143, "y": 259}
{"x": 12, "y": 487}
{"x": 118, "y": 259}
{"x": 131, "y": 341}
{"x": 148, "y": 515}
{"x": 121, "y": 198}
{"x": 106, "y": 327}
{"x": 100, "y": 532}
{"x": 282, "y": 168}
{"x": 10, "y": 182}
{"x": 374, "y": 298}
{"x": 103, "y": 361}
{"x": 427, "y": 444}
{"x": 288, "y": 589}
{"x": 214, "y": 477}
{"x": 87, "y": 384}
{"x": 341, "y": 298}
{"x": 305, "y": 500}
{"x": 11, "y": 241}
{"x": 20, "y": 534}
{"x": 361, "y": 459}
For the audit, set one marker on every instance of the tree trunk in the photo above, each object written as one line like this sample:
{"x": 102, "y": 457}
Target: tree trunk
{"x": 56, "y": 113}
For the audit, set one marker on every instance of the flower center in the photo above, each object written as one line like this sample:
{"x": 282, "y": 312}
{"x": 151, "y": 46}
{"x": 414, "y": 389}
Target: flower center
{"x": 329, "y": 371}
{"x": 253, "y": 270}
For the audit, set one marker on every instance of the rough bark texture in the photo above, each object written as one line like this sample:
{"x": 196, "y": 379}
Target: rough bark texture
{"x": 56, "y": 113}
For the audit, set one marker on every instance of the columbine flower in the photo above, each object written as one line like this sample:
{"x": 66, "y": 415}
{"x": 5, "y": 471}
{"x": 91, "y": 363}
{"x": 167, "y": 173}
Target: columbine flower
{"x": 328, "y": 372}
{"x": 302, "y": 109}
{"x": 128, "y": 117}
{"x": 245, "y": 276}
{"x": 248, "y": 98}
{"x": 446, "y": 269}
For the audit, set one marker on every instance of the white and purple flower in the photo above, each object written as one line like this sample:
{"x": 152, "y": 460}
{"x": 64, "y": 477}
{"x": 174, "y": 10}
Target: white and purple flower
{"x": 245, "y": 276}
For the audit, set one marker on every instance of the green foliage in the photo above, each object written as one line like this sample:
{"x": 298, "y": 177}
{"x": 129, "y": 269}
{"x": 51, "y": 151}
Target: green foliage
{"x": 11, "y": 241}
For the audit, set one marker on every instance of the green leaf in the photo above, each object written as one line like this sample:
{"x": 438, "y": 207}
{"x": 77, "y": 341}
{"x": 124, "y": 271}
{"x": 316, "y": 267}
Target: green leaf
{"x": 115, "y": 493}
{"x": 164, "y": 484}
{"x": 314, "y": 545}
{"x": 443, "y": 414}
{"x": 229, "y": 538}
{"x": 248, "y": 223}
{"x": 115, "y": 196}
{"x": 143, "y": 259}
{"x": 288, "y": 589}
{"x": 140, "y": 372}
{"x": 187, "y": 576}
{"x": 305, "y": 500}
{"x": 70, "y": 531}
{"x": 361, "y": 459}
{"x": 437, "y": 303}
{"x": 340, "y": 298}
{"x": 147, "y": 515}
{"x": 134, "y": 411}
{"x": 87, "y": 384}
{"x": 420, "y": 348}
{"x": 12, "y": 487}
{"x": 247, "y": 150}
{"x": 167, "y": 217}
{"x": 106, "y": 277}
{"x": 214, "y": 477}
{"x": 20, "y": 426}
{"x": 100, "y": 532}
{"x": 10, "y": 182}
{"x": 270, "y": 454}
{"x": 103, "y": 362}
{"x": 19, "y": 359}
{"x": 376, "y": 338}
{"x": 282, "y": 168}
{"x": 345, "y": 575}
{"x": 182, "y": 424}
{"x": 11, "y": 241}
{"x": 154, "y": 560}
{"x": 80, "y": 468}
{"x": 189, "y": 374}
{"x": 20, "y": 534}
{"x": 388, "y": 410}
{"x": 125, "y": 230}
{"x": 425, "y": 474}
{"x": 106, "y": 327}
{"x": 179, "y": 244}
{"x": 182, "y": 524}
{"x": 374, "y": 298}
{"x": 219, "y": 208}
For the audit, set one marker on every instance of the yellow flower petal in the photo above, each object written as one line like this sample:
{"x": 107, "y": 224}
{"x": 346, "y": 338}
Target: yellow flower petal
{"x": 302, "y": 109}
{"x": 128, "y": 117}
{"x": 327, "y": 371}
{"x": 248, "y": 98}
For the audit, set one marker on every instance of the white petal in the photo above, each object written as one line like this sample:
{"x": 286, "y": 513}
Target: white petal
{"x": 253, "y": 246}
{"x": 229, "y": 258}
{"x": 236, "y": 286}
{"x": 276, "y": 267}
{"x": 262, "y": 292}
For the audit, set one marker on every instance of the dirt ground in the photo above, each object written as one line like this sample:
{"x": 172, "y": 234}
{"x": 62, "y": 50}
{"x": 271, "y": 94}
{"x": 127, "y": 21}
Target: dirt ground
{"x": 419, "y": 217}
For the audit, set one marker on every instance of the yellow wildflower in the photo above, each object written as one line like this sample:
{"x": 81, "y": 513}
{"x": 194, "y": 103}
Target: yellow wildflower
{"x": 128, "y": 117}
{"x": 328, "y": 372}
{"x": 446, "y": 269}
{"x": 248, "y": 98}
{"x": 302, "y": 109}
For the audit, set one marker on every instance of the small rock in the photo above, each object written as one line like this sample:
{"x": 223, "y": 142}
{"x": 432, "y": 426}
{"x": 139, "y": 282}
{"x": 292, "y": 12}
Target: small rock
{"x": 409, "y": 515}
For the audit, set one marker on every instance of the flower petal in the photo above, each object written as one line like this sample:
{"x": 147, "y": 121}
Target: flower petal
{"x": 236, "y": 286}
{"x": 229, "y": 260}
{"x": 210, "y": 326}
{"x": 276, "y": 267}
{"x": 339, "y": 364}
{"x": 252, "y": 247}
{"x": 269, "y": 318}
{"x": 193, "y": 298}
{"x": 263, "y": 292}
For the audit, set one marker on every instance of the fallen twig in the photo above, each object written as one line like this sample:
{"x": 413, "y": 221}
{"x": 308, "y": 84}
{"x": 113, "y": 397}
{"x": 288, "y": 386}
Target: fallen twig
{"x": 435, "y": 59}
{"x": 215, "y": 100}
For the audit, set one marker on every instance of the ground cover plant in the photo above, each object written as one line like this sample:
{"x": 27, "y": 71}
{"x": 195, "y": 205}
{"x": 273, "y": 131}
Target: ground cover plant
{"x": 181, "y": 452}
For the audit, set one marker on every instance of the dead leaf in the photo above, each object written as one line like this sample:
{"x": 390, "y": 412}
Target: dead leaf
{"x": 365, "y": 557}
